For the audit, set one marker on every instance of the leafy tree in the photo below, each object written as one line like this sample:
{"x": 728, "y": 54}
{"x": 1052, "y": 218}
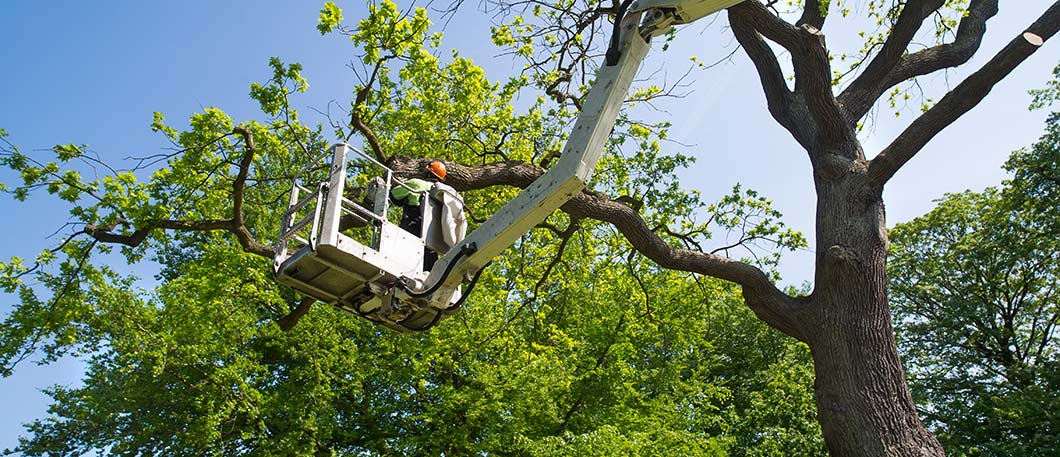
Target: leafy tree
{"x": 975, "y": 292}
{"x": 409, "y": 103}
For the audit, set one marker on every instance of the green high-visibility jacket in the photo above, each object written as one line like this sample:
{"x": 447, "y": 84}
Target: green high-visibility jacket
{"x": 418, "y": 187}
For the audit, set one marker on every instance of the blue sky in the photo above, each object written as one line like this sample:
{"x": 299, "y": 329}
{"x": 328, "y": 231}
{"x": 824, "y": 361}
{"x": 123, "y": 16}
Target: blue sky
{"x": 93, "y": 73}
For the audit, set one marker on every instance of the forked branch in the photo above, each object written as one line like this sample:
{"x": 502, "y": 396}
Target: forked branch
{"x": 964, "y": 97}
{"x": 892, "y": 66}
{"x": 778, "y": 95}
{"x": 813, "y": 74}
{"x": 866, "y": 85}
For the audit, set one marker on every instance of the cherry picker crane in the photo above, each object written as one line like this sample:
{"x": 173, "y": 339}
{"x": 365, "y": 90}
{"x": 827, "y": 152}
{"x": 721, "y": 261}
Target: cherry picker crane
{"x": 381, "y": 276}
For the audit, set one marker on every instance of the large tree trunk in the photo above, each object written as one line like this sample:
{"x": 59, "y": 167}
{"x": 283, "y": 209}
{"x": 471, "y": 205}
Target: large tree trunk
{"x": 864, "y": 406}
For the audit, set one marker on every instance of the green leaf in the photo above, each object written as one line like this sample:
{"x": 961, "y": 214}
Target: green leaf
{"x": 330, "y": 17}
{"x": 66, "y": 152}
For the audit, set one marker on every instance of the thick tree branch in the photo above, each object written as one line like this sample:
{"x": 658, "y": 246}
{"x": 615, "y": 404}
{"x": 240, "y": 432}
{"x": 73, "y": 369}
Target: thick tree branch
{"x": 768, "y": 302}
{"x": 891, "y": 67}
{"x": 866, "y": 85}
{"x": 778, "y": 96}
{"x": 964, "y": 97}
{"x": 812, "y": 15}
{"x": 105, "y": 234}
{"x": 969, "y": 37}
{"x": 755, "y": 14}
{"x": 813, "y": 71}
{"x": 288, "y": 322}
{"x": 761, "y": 294}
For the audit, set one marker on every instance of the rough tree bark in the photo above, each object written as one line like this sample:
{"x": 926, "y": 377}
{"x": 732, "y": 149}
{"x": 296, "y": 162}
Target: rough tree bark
{"x": 864, "y": 406}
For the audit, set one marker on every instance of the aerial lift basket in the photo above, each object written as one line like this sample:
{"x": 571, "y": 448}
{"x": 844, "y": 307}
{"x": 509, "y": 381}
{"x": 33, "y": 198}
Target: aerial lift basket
{"x": 338, "y": 245}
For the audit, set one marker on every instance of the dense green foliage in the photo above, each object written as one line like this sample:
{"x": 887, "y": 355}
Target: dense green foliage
{"x": 601, "y": 369}
{"x": 975, "y": 288}
{"x": 571, "y": 345}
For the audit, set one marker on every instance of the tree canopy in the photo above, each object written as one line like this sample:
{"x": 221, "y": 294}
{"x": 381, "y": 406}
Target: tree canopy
{"x": 975, "y": 285}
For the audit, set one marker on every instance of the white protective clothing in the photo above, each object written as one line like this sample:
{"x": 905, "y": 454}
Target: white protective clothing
{"x": 451, "y": 218}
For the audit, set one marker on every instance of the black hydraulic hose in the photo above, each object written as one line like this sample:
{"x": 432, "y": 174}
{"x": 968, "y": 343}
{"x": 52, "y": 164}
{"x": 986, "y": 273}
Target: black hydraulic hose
{"x": 456, "y": 306}
{"x": 465, "y": 251}
{"x": 612, "y": 55}
{"x": 437, "y": 317}
{"x": 470, "y": 287}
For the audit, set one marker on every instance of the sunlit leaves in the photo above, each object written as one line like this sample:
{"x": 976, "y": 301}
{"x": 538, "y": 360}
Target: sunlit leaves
{"x": 66, "y": 184}
{"x": 65, "y": 152}
{"x": 158, "y": 125}
{"x": 388, "y": 29}
{"x": 285, "y": 78}
{"x": 502, "y": 35}
{"x": 194, "y": 181}
{"x": 330, "y": 17}
{"x": 11, "y": 273}
{"x": 50, "y": 326}
{"x": 1036, "y": 173}
{"x": 1049, "y": 94}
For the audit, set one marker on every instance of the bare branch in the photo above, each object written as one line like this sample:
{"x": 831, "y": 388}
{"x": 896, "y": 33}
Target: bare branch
{"x": 151, "y": 160}
{"x": 967, "y": 41}
{"x": 564, "y": 237}
{"x": 964, "y": 97}
{"x": 890, "y": 67}
{"x": 357, "y": 122}
{"x": 687, "y": 238}
{"x": 53, "y": 251}
{"x": 640, "y": 283}
{"x": 244, "y": 169}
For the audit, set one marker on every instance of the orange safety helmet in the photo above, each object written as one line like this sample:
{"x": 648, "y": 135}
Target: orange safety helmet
{"x": 437, "y": 168}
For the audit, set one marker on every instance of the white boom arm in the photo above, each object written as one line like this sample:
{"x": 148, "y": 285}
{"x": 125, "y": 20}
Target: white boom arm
{"x": 570, "y": 175}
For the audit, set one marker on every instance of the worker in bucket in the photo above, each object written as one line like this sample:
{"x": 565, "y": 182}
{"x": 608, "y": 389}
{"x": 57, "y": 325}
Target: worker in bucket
{"x": 428, "y": 197}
